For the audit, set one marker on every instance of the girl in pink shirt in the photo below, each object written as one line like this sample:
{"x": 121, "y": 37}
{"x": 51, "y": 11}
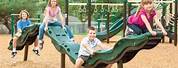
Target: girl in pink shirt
{"x": 52, "y": 16}
{"x": 141, "y": 20}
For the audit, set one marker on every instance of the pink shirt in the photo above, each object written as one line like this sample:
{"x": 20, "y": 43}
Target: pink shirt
{"x": 138, "y": 20}
{"x": 53, "y": 13}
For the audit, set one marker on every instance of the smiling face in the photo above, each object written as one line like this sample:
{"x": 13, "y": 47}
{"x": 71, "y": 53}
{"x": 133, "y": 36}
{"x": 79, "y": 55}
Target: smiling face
{"x": 24, "y": 15}
{"x": 53, "y": 3}
{"x": 92, "y": 34}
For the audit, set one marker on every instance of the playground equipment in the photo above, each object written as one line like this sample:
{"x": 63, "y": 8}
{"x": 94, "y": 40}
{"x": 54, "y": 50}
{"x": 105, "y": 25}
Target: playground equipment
{"x": 113, "y": 30}
{"x": 124, "y": 50}
{"x": 172, "y": 25}
{"x": 30, "y": 34}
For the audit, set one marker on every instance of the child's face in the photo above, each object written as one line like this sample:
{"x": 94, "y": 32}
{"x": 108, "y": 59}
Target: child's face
{"x": 53, "y": 3}
{"x": 24, "y": 15}
{"x": 92, "y": 34}
{"x": 148, "y": 6}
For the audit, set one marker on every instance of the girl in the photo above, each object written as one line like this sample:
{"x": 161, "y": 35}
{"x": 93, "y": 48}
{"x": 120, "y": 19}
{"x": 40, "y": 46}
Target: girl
{"x": 21, "y": 24}
{"x": 52, "y": 15}
{"x": 141, "y": 20}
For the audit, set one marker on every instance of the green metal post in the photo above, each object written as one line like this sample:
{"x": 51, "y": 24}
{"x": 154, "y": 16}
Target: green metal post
{"x": 39, "y": 18}
{"x": 66, "y": 11}
{"x": 99, "y": 23}
{"x": 125, "y": 16}
{"x": 107, "y": 23}
{"x": 164, "y": 5}
{"x": 12, "y": 26}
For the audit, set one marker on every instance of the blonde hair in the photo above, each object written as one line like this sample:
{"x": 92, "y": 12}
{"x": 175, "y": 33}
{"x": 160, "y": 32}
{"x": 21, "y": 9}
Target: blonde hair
{"x": 142, "y": 3}
{"x": 25, "y": 11}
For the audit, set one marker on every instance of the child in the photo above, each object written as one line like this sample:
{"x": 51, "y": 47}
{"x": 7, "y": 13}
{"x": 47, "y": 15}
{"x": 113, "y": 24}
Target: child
{"x": 21, "y": 24}
{"x": 141, "y": 20}
{"x": 53, "y": 16}
{"x": 88, "y": 47}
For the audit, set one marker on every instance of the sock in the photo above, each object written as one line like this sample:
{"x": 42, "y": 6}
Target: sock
{"x": 14, "y": 50}
{"x": 40, "y": 41}
{"x": 36, "y": 48}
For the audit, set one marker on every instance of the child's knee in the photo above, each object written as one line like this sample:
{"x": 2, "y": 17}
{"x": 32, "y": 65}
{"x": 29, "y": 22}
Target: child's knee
{"x": 15, "y": 38}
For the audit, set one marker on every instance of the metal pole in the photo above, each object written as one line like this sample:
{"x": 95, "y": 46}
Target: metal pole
{"x": 107, "y": 23}
{"x": 26, "y": 53}
{"x": 62, "y": 60}
{"x": 119, "y": 64}
{"x": 162, "y": 18}
{"x": 125, "y": 16}
{"x": 175, "y": 25}
{"x": 66, "y": 12}
{"x": 12, "y": 26}
{"x": 89, "y": 12}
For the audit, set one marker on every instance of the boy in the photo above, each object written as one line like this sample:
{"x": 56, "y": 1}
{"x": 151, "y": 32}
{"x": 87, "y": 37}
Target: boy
{"x": 88, "y": 47}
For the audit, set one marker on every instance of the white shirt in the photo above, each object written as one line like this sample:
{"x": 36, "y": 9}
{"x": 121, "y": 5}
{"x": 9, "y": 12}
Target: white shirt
{"x": 91, "y": 44}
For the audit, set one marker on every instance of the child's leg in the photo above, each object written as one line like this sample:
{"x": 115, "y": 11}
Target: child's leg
{"x": 135, "y": 28}
{"x": 14, "y": 44}
{"x": 79, "y": 62}
{"x": 69, "y": 32}
{"x": 36, "y": 44}
{"x": 36, "y": 47}
{"x": 144, "y": 30}
{"x": 109, "y": 66}
{"x": 41, "y": 32}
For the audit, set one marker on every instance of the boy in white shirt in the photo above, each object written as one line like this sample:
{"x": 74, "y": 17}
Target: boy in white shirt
{"x": 89, "y": 45}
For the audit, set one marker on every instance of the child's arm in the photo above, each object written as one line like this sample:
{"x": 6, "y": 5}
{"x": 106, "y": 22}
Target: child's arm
{"x": 45, "y": 20}
{"x": 86, "y": 46}
{"x": 103, "y": 47}
{"x": 61, "y": 18}
{"x": 148, "y": 25}
{"x": 159, "y": 24}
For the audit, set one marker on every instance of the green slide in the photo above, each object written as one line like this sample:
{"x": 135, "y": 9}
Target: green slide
{"x": 124, "y": 47}
{"x": 29, "y": 34}
{"x": 113, "y": 30}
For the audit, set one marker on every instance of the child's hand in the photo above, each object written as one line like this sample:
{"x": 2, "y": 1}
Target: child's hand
{"x": 164, "y": 32}
{"x": 46, "y": 28}
{"x": 153, "y": 33}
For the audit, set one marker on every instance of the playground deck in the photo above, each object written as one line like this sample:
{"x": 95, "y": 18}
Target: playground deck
{"x": 162, "y": 56}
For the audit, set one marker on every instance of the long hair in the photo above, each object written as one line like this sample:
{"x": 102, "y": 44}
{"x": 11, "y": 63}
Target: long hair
{"x": 49, "y": 3}
{"x": 25, "y": 11}
{"x": 142, "y": 3}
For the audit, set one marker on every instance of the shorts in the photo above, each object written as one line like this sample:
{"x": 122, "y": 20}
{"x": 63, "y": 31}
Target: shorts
{"x": 85, "y": 58}
{"x": 18, "y": 34}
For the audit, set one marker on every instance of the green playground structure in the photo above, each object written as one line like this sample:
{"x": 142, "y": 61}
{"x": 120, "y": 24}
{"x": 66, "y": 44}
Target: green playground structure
{"x": 124, "y": 49}
{"x": 113, "y": 30}
{"x": 29, "y": 35}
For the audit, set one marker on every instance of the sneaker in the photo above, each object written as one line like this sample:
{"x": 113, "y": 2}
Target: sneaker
{"x": 72, "y": 40}
{"x": 36, "y": 52}
{"x": 13, "y": 54}
{"x": 41, "y": 44}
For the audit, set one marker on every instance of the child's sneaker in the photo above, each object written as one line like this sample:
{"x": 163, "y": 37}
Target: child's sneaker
{"x": 36, "y": 52}
{"x": 72, "y": 40}
{"x": 13, "y": 54}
